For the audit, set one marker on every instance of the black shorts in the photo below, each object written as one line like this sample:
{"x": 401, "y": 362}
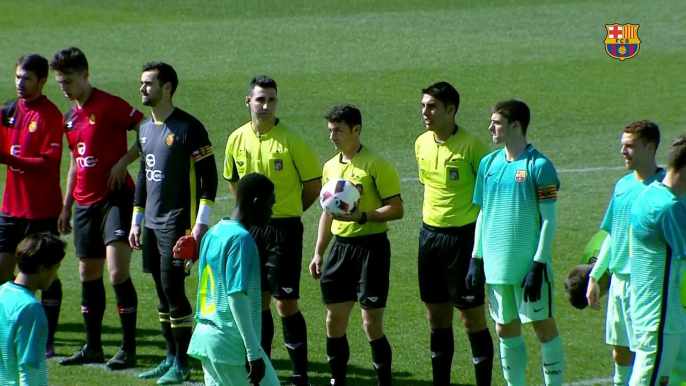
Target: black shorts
{"x": 102, "y": 223}
{"x": 358, "y": 269}
{"x": 443, "y": 263}
{"x": 14, "y": 229}
{"x": 158, "y": 250}
{"x": 280, "y": 245}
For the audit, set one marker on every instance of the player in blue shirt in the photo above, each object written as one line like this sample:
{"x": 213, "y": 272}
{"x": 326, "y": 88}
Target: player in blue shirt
{"x": 657, "y": 249}
{"x": 24, "y": 332}
{"x": 516, "y": 188}
{"x": 639, "y": 144}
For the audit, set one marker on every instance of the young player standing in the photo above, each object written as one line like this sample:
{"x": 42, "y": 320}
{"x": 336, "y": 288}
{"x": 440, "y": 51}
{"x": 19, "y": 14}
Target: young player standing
{"x": 23, "y": 336}
{"x": 359, "y": 262}
{"x": 100, "y": 189}
{"x": 640, "y": 141}
{"x": 657, "y": 249}
{"x": 229, "y": 306}
{"x": 516, "y": 188}
{"x": 177, "y": 185}
{"x": 448, "y": 158}
{"x": 268, "y": 146}
{"x": 31, "y": 147}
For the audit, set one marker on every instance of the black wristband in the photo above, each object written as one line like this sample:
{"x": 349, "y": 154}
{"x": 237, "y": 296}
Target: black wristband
{"x": 363, "y": 218}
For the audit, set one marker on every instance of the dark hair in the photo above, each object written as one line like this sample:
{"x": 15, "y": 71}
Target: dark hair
{"x": 165, "y": 74}
{"x": 514, "y": 110}
{"x": 347, "y": 113}
{"x": 262, "y": 81}
{"x": 444, "y": 92}
{"x": 648, "y": 131}
{"x": 69, "y": 60}
{"x": 253, "y": 186}
{"x": 677, "y": 153}
{"x": 34, "y": 63}
{"x": 576, "y": 284}
{"x": 39, "y": 249}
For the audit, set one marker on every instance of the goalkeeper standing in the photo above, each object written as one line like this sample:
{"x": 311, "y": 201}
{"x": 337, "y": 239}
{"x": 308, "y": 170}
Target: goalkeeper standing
{"x": 177, "y": 185}
{"x": 516, "y": 188}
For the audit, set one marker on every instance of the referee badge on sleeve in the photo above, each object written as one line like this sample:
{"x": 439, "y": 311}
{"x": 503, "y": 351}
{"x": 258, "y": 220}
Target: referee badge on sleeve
{"x": 454, "y": 174}
{"x": 278, "y": 165}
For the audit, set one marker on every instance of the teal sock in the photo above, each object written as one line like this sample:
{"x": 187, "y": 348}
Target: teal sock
{"x": 622, "y": 375}
{"x": 553, "y": 362}
{"x": 513, "y": 360}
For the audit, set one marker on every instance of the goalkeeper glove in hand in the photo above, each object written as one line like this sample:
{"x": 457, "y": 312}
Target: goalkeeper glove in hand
{"x": 256, "y": 372}
{"x": 476, "y": 278}
{"x": 533, "y": 281}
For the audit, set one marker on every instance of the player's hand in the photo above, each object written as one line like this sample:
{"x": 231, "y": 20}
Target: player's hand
{"x": 117, "y": 176}
{"x": 316, "y": 267}
{"x": 533, "y": 281}
{"x": 354, "y": 216}
{"x": 135, "y": 237}
{"x": 257, "y": 370}
{"x": 198, "y": 232}
{"x": 64, "y": 222}
{"x": 476, "y": 278}
{"x": 593, "y": 294}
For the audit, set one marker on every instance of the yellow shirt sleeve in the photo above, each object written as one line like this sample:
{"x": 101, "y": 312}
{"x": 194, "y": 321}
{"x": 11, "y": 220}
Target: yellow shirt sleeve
{"x": 387, "y": 180}
{"x": 230, "y": 172}
{"x": 306, "y": 160}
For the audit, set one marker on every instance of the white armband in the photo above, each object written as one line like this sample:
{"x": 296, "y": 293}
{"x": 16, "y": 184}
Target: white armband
{"x": 204, "y": 213}
{"x": 138, "y": 215}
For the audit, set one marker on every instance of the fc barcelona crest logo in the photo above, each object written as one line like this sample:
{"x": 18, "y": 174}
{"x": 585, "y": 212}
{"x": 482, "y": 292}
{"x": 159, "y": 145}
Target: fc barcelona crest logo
{"x": 520, "y": 176}
{"x": 622, "y": 41}
{"x": 170, "y": 140}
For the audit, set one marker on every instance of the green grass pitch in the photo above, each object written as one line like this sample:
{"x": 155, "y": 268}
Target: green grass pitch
{"x": 378, "y": 55}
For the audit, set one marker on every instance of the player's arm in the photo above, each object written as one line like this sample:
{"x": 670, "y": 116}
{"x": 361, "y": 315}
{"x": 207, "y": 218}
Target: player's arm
{"x": 230, "y": 172}
{"x": 309, "y": 169}
{"x": 673, "y": 228}
{"x": 139, "y": 199}
{"x": 603, "y": 261}
{"x": 547, "y": 184}
{"x": 324, "y": 237}
{"x": 388, "y": 185}
{"x": 30, "y": 346}
{"x": 51, "y": 150}
{"x": 199, "y": 145}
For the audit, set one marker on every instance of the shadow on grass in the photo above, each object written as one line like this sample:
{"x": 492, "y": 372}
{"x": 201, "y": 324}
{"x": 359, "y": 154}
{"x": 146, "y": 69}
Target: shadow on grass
{"x": 79, "y": 328}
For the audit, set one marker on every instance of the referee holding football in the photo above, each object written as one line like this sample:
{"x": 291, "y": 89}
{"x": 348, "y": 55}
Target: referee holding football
{"x": 448, "y": 159}
{"x": 268, "y": 146}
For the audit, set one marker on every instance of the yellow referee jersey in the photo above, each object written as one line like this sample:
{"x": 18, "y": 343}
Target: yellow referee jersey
{"x": 282, "y": 154}
{"x": 376, "y": 179}
{"x": 448, "y": 173}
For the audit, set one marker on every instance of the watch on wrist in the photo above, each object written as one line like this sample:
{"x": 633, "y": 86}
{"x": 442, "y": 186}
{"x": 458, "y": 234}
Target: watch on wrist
{"x": 363, "y": 218}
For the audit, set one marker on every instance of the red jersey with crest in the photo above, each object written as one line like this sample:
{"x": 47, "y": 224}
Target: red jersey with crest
{"x": 32, "y": 130}
{"x": 97, "y": 138}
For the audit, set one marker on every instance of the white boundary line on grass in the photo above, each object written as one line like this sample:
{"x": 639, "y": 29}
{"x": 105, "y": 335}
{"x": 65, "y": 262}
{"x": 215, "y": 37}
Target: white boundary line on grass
{"x": 591, "y": 382}
{"x": 579, "y": 170}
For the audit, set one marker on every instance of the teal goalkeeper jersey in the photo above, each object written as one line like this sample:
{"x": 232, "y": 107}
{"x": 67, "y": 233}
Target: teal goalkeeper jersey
{"x": 616, "y": 221}
{"x": 657, "y": 252}
{"x": 23, "y": 337}
{"x": 228, "y": 264}
{"x": 509, "y": 194}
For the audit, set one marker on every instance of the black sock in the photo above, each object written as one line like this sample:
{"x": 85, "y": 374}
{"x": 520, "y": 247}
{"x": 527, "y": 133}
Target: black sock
{"x": 482, "y": 356}
{"x": 267, "y": 332}
{"x": 182, "y": 328}
{"x": 295, "y": 337}
{"x": 442, "y": 350}
{"x": 93, "y": 301}
{"x": 127, "y": 306}
{"x": 168, "y": 335}
{"x": 338, "y": 353}
{"x": 382, "y": 357}
{"x": 51, "y": 299}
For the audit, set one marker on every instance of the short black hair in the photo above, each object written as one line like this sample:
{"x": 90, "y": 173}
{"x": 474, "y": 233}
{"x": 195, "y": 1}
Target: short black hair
{"x": 69, "y": 60}
{"x": 165, "y": 74}
{"x": 576, "y": 284}
{"x": 253, "y": 186}
{"x": 39, "y": 249}
{"x": 677, "y": 154}
{"x": 514, "y": 110}
{"x": 347, "y": 113}
{"x": 34, "y": 63}
{"x": 262, "y": 81}
{"x": 444, "y": 92}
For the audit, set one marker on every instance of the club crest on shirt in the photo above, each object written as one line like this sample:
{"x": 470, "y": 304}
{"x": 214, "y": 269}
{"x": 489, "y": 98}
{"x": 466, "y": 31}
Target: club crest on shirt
{"x": 91, "y": 120}
{"x": 169, "y": 140}
{"x": 33, "y": 126}
{"x": 278, "y": 165}
{"x": 520, "y": 176}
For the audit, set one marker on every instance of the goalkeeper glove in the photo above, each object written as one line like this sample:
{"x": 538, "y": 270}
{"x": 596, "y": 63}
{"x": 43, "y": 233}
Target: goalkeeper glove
{"x": 476, "y": 278}
{"x": 533, "y": 281}
{"x": 185, "y": 249}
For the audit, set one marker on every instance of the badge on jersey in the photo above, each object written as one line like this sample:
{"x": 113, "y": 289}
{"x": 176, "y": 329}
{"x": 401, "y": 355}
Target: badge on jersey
{"x": 622, "y": 41}
{"x": 454, "y": 174}
{"x": 278, "y": 165}
{"x": 169, "y": 140}
{"x": 520, "y": 176}
{"x": 33, "y": 126}
{"x": 91, "y": 120}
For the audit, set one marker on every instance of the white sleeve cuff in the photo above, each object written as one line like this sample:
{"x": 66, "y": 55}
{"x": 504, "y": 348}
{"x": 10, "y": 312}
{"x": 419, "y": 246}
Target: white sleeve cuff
{"x": 204, "y": 214}
{"x": 137, "y": 218}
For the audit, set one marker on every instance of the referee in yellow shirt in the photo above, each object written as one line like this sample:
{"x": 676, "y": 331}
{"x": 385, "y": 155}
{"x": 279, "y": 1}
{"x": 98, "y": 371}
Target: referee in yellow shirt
{"x": 448, "y": 158}
{"x": 268, "y": 146}
{"x": 359, "y": 262}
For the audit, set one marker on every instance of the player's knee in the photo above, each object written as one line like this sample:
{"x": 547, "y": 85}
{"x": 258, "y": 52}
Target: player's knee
{"x": 286, "y": 307}
{"x": 473, "y": 319}
{"x": 512, "y": 329}
{"x": 91, "y": 269}
{"x": 546, "y": 330}
{"x": 373, "y": 327}
{"x": 439, "y": 316}
{"x": 623, "y": 356}
{"x": 118, "y": 275}
{"x": 336, "y": 324}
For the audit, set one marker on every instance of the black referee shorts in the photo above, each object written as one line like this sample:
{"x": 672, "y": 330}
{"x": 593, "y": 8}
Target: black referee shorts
{"x": 443, "y": 263}
{"x": 358, "y": 269}
{"x": 14, "y": 229}
{"x": 280, "y": 245}
{"x": 101, "y": 223}
{"x": 158, "y": 250}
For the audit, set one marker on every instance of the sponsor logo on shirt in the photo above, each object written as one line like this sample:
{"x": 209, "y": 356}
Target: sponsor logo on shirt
{"x": 83, "y": 160}
{"x": 151, "y": 173}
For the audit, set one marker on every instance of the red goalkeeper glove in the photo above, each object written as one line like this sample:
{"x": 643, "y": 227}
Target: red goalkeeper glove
{"x": 185, "y": 249}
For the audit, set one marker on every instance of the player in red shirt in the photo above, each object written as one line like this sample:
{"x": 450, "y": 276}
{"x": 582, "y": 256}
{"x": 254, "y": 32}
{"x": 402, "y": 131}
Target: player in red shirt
{"x": 31, "y": 147}
{"x": 101, "y": 191}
